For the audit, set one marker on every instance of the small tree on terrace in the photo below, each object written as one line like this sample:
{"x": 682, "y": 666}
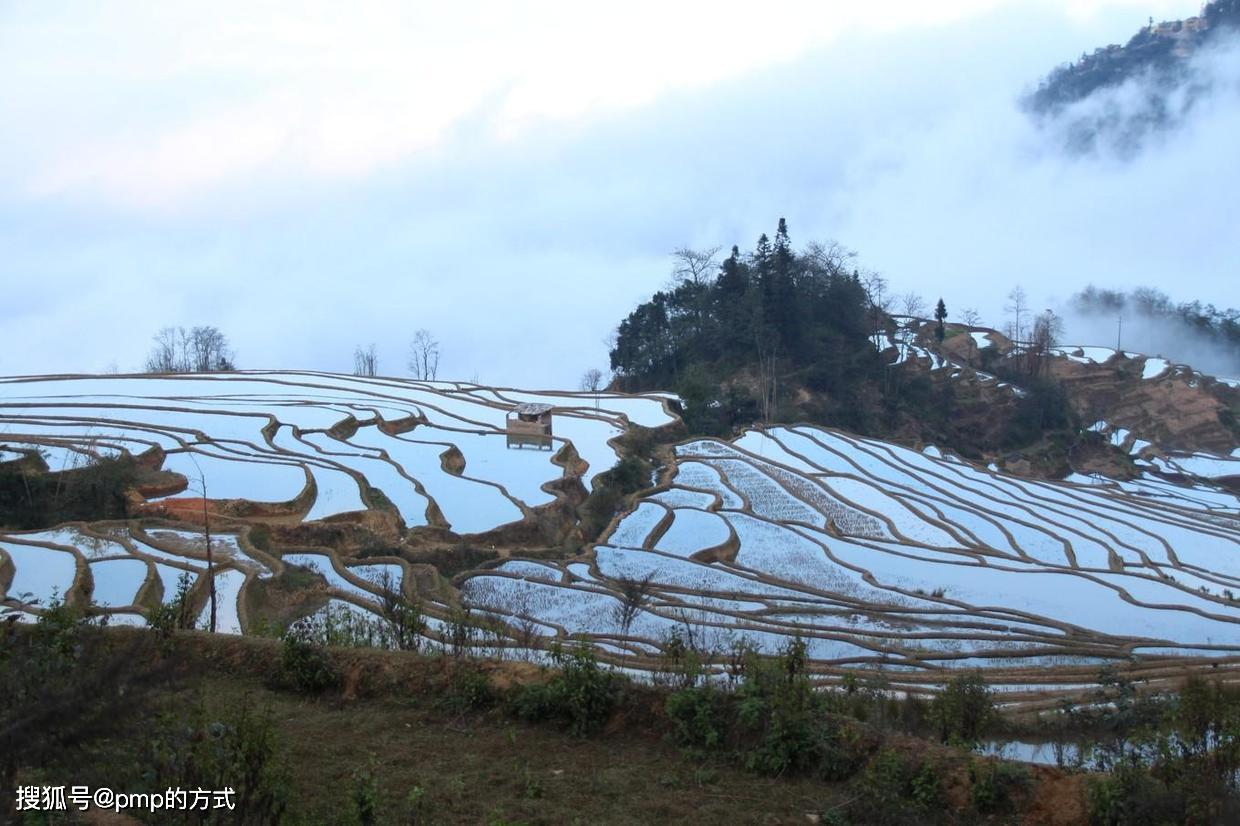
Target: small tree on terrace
{"x": 940, "y": 313}
{"x": 1018, "y": 308}
{"x": 1047, "y": 328}
{"x": 634, "y": 594}
{"x": 592, "y": 380}
{"x": 912, "y": 304}
{"x": 424, "y": 356}
{"x": 365, "y": 362}
{"x": 202, "y": 349}
{"x": 878, "y": 299}
{"x": 208, "y": 350}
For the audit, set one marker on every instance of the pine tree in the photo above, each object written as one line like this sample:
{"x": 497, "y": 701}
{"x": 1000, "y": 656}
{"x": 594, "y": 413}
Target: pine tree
{"x": 940, "y": 313}
{"x": 783, "y": 308}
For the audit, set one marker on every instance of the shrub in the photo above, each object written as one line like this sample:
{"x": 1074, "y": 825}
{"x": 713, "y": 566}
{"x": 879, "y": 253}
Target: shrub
{"x": 174, "y": 614}
{"x": 365, "y": 794}
{"x": 64, "y": 687}
{"x": 259, "y": 536}
{"x": 462, "y": 633}
{"x": 786, "y": 723}
{"x": 468, "y": 689}
{"x": 581, "y": 694}
{"x": 894, "y": 790}
{"x": 681, "y": 662}
{"x": 92, "y": 490}
{"x": 886, "y": 781}
{"x": 588, "y": 693}
{"x": 405, "y": 620}
{"x": 992, "y": 784}
{"x": 240, "y": 751}
{"x": 963, "y": 710}
{"x": 697, "y": 717}
{"x": 536, "y": 702}
{"x": 927, "y": 787}
{"x": 304, "y": 665}
{"x": 610, "y": 489}
{"x": 417, "y": 807}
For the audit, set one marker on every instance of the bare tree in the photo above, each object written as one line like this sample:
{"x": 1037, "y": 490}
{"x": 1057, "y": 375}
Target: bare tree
{"x": 521, "y": 610}
{"x": 971, "y": 317}
{"x": 365, "y": 362}
{"x": 206, "y": 531}
{"x": 592, "y": 380}
{"x": 405, "y": 620}
{"x": 875, "y": 286}
{"x": 634, "y": 594}
{"x": 1047, "y": 328}
{"x": 1018, "y": 308}
{"x": 912, "y": 304}
{"x": 208, "y": 350}
{"x": 163, "y": 355}
{"x": 879, "y": 301}
{"x": 693, "y": 266}
{"x": 424, "y": 356}
{"x": 767, "y": 347}
{"x": 831, "y": 257}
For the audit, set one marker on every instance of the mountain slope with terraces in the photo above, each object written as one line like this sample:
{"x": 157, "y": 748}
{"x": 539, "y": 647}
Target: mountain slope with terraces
{"x": 1165, "y": 416}
{"x": 906, "y": 563}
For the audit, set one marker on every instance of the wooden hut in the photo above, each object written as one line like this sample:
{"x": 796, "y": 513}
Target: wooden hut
{"x": 529, "y": 423}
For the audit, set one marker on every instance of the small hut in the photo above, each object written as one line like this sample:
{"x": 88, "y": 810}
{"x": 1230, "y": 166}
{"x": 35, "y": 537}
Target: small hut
{"x": 529, "y": 423}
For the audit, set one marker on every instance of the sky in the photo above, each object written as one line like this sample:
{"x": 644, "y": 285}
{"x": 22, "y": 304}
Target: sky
{"x": 310, "y": 177}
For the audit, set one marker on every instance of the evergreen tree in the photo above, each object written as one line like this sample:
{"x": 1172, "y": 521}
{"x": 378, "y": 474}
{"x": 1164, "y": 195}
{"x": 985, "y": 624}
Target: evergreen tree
{"x": 785, "y": 309}
{"x": 940, "y": 313}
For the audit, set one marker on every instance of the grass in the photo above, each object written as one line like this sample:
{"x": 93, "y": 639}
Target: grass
{"x": 477, "y": 767}
{"x": 474, "y": 769}
{"x": 398, "y": 737}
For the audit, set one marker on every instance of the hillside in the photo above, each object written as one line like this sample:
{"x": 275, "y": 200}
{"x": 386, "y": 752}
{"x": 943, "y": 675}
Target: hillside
{"x": 1119, "y": 96}
{"x": 400, "y": 515}
{"x": 1153, "y": 411}
{"x": 1159, "y": 51}
{"x": 336, "y": 493}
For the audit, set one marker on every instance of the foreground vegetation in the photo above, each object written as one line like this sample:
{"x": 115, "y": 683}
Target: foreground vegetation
{"x": 309, "y": 733}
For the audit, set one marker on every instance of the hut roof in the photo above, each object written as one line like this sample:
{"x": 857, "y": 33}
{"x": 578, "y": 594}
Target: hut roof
{"x": 531, "y": 409}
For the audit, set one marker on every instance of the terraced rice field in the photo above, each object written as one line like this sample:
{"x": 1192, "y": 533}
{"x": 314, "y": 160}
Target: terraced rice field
{"x": 292, "y": 447}
{"x": 912, "y": 564}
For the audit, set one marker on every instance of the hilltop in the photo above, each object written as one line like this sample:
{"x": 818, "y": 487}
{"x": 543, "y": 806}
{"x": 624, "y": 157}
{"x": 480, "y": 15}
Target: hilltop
{"x": 1160, "y": 50}
{"x": 1119, "y": 94}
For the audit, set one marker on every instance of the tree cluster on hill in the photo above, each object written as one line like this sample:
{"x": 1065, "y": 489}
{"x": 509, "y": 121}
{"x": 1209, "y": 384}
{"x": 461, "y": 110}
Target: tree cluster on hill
{"x": 769, "y": 314}
{"x": 1176, "y": 330}
{"x": 785, "y": 335}
{"x": 202, "y": 349}
{"x": 423, "y": 357}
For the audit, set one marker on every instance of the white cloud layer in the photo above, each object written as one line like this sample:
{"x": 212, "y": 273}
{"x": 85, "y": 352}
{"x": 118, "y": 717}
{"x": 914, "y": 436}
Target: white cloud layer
{"x": 309, "y": 179}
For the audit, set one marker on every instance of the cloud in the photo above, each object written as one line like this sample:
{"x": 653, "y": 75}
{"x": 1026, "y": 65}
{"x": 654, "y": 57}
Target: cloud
{"x": 318, "y": 189}
{"x": 152, "y": 106}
